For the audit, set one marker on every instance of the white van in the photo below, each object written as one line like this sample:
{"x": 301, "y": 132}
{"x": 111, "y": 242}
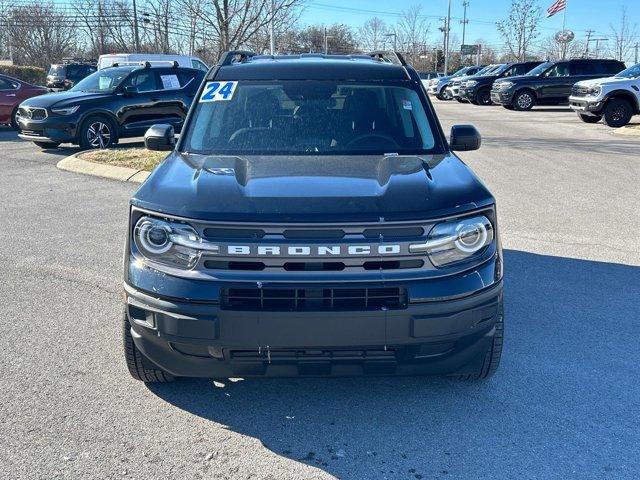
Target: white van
{"x": 187, "y": 61}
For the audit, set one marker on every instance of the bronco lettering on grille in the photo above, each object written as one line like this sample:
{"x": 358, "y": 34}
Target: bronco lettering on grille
{"x": 318, "y": 250}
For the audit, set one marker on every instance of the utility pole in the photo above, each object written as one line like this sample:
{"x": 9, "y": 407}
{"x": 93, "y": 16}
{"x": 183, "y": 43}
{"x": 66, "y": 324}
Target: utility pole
{"x": 586, "y": 50}
{"x": 395, "y": 40}
{"x": 135, "y": 27}
{"x": 446, "y": 39}
{"x": 272, "y": 40}
{"x": 464, "y": 20}
{"x": 598, "y": 40}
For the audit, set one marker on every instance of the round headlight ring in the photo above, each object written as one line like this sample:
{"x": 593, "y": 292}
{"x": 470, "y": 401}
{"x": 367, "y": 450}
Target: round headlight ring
{"x": 471, "y": 237}
{"x": 154, "y": 236}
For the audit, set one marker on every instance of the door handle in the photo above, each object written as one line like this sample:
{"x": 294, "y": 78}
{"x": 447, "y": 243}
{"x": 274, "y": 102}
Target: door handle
{"x": 11, "y": 94}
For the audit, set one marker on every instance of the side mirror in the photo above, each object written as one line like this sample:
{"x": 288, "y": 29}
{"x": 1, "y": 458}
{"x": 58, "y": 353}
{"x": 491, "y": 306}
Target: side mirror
{"x": 160, "y": 138}
{"x": 464, "y": 138}
{"x": 130, "y": 90}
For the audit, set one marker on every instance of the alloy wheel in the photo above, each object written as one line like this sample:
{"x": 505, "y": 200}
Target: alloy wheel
{"x": 525, "y": 100}
{"x": 99, "y": 135}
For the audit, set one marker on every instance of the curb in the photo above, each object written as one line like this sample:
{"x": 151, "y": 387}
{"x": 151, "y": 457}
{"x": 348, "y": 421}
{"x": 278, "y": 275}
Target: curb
{"x": 630, "y": 131}
{"x": 125, "y": 174}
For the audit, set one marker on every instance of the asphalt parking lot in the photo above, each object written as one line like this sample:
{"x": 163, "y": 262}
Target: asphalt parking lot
{"x": 564, "y": 403}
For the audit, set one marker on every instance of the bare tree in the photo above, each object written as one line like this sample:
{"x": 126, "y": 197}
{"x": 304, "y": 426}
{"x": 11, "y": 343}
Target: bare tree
{"x": 93, "y": 23}
{"x": 235, "y": 22}
{"x": 520, "y": 27}
{"x": 372, "y": 34}
{"x": 623, "y": 36}
{"x": 340, "y": 39}
{"x": 40, "y": 34}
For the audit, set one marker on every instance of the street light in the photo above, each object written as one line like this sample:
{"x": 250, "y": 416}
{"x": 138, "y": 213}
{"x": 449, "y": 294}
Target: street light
{"x": 395, "y": 40}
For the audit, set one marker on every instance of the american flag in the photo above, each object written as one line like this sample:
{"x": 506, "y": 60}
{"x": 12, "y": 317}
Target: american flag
{"x": 558, "y": 6}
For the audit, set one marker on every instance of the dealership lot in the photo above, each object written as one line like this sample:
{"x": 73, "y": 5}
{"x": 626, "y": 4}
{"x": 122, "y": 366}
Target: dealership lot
{"x": 562, "y": 405}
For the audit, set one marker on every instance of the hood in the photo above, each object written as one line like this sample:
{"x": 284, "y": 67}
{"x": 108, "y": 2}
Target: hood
{"x": 62, "y": 99}
{"x": 311, "y": 188}
{"x": 605, "y": 81}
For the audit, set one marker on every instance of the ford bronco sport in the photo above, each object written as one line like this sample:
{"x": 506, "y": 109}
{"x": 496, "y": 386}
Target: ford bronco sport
{"x": 312, "y": 220}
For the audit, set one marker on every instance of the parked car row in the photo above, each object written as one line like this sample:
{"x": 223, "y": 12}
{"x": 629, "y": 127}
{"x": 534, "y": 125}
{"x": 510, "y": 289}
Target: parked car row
{"x": 595, "y": 88}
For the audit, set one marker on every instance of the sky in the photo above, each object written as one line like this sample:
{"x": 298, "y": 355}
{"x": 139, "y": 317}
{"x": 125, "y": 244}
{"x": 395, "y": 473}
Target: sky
{"x": 581, "y": 15}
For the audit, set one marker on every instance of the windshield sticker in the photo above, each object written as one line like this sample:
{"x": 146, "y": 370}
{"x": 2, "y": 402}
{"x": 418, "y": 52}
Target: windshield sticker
{"x": 218, "y": 91}
{"x": 104, "y": 83}
{"x": 170, "y": 82}
{"x": 406, "y": 104}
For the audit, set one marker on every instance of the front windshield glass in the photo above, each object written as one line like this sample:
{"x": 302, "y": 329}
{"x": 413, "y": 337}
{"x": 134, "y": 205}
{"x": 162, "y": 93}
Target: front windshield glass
{"x": 484, "y": 70}
{"x": 462, "y": 71}
{"x": 499, "y": 69}
{"x": 103, "y": 81}
{"x": 56, "y": 70}
{"x": 539, "y": 70}
{"x": 312, "y": 118}
{"x": 631, "y": 72}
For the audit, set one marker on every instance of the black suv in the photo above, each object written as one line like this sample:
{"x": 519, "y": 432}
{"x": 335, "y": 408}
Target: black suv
{"x": 477, "y": 90}
{"x": 550, "y": 83}
{"x": 63, "y": 76}
{"x": 312, "y": 220}
{"x": 113, "y": 103}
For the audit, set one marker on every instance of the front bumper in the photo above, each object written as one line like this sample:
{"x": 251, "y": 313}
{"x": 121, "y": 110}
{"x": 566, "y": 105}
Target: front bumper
{"x": 502, "y": 97}
{"x": 52, "y": 129}
{"x": 205, "y": 339}
{"x": 585, "y": 105}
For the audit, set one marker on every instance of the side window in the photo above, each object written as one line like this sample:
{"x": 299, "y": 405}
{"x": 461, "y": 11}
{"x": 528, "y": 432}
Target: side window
{"x": 176, "y": 79}
{"x": 197, "y": 64}
{"x": 144, "y": 81}
{"x": 583, "y": 68}
{"x": 7, "y": 85}
{"x": 558, "y": 70}
{"x": 611, "y": 68}
{"x": 515, "y": 70}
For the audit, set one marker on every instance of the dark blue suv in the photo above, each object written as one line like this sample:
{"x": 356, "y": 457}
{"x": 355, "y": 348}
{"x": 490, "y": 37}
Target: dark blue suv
{"x": 312, "y": 220}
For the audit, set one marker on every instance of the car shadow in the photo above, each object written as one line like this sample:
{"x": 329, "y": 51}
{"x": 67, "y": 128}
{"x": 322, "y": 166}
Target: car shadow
{"x": 561, "y": 405}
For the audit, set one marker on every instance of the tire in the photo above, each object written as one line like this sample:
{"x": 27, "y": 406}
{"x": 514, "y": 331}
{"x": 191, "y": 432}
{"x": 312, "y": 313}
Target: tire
{"x": 524, "y": 100}
{"x": 590, "y": 118}
{"x": 139, "y": 366}
{"x": 47, "y": 145}
{"x": 508, "y": 107}
{"x": 14, "y": 122}
{"x": 491, "y": 359}
{"x": 460, "y": 100}
{"x": 96, "y": 132}
{"x": 483, "y": 97}
{"x": 617, "y": 112}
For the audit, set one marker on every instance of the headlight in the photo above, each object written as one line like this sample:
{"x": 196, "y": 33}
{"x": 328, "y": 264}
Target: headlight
{"x": 66, "y": 110}
{"x": 456, "y": 241}
{"x": 505, "y": 85}
{"x": 594, "y": 91}
{"x": 471, "y": 83}
{"x": 169, "y": 243}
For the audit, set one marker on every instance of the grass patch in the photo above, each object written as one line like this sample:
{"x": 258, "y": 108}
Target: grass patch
{"x": 138, "y": 158}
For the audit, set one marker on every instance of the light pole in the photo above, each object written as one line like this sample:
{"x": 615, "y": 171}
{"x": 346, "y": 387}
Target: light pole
{"x": 395, "y": 40}
{"x": 447, "y": 28}
{"x": 272, "y": 40}
{"x": 135, "y": 27}
{"x": 326, "y": 41}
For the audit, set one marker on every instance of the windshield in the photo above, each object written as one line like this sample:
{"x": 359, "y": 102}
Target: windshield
{"x": 631, "y": 72}
{"x": 103, "y": 81}
{"x": 311, "y": 118}
{"x": 498, "y": 69}
{"x": 539, "y": 70}
{"x": 462, "y": 71}
{"x": 56, "y": 70}
{"x": 484, "y": 70}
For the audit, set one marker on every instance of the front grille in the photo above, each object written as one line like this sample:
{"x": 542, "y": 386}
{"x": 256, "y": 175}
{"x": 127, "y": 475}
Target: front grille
{"x": 32, "y": 113}
{"x": 578, "y": 91}
{"x": 313, "y": 299}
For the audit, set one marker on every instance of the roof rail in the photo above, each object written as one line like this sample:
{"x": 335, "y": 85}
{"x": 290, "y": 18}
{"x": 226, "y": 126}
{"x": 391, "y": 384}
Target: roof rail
{"x": 235, "y": 56}
{"x": 389, "y": 56}
{"x": 147, "y": 63}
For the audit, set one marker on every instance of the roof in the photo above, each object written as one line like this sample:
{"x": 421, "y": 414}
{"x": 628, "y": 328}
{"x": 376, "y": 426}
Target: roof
{"x": 311, "y": 67}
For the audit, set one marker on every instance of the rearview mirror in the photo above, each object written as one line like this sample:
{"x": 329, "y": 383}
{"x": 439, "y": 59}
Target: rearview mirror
{"x": 130, "y": 90}
{"x": 464, "y": 138}
{"x": 160, "y": 138}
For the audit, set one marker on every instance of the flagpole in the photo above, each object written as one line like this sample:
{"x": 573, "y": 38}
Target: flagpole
{"x": 564, "y": 17}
